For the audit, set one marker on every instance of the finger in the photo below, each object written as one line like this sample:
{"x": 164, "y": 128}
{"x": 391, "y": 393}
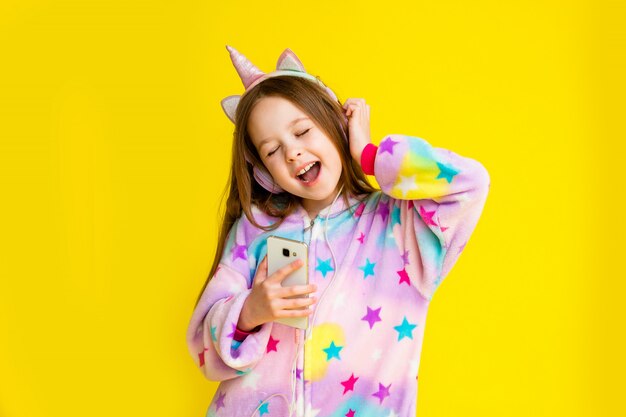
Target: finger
{"x": 261, "y": 271}
{"x": 296, "y": 304}
{"x": 284, "y": 272}
{"x": 295, "y": 290}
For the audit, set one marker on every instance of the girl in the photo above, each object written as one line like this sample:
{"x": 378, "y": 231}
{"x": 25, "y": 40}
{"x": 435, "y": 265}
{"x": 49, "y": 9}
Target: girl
{"x": 375, "y": 257}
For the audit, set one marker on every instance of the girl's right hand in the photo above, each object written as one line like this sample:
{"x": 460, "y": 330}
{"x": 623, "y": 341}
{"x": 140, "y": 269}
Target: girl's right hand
{"x": 268, "y": 299}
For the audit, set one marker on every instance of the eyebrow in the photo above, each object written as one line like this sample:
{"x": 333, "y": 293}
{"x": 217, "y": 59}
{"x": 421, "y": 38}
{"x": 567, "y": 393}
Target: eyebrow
{"x": 293, "y": 122}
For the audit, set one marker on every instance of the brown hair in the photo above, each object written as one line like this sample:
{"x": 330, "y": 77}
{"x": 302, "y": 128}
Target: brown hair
{"x": 244, "y": 191}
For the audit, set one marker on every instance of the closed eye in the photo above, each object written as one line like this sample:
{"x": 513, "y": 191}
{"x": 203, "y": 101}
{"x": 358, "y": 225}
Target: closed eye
{"x": 297, "y": 135}
{"x": 303, "y": 133}
{"x": 270, "y": 154}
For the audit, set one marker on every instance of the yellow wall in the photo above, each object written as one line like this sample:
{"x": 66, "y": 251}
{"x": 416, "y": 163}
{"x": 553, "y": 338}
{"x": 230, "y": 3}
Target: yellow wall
{"x": 114, "y": 150}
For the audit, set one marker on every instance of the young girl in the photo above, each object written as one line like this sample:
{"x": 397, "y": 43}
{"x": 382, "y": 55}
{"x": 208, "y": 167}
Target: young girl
{"x": 375, "y": 257}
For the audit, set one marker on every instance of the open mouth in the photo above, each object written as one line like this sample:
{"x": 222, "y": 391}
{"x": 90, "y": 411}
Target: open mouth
{"x": 311, "y": 172}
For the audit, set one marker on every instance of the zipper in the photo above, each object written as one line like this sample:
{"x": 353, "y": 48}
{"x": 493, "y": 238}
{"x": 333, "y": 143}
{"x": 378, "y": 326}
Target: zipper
{"x": 304, "y": 332}
{"x": 309, "y": 227}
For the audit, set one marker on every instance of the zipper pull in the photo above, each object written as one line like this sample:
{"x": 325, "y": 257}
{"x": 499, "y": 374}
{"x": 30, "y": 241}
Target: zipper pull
{"x": 311, "y": 225}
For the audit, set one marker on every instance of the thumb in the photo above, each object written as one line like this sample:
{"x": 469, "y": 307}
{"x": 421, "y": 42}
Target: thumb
{"x": 261, "y": 272}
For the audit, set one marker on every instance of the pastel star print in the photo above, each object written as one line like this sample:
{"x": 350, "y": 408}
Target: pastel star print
{"x": 387, "y": 146}
{"x": 271, "y": 345}
{"x": 447, "y": 172}
{"x": 348, "y": 384}
{"x": 332, "y": 351}
{"x": 324, "y": 266}
{"x": 405, "y": 329}
{"x": 264, "y": 408}
{"x": 405, "y": 257}
{"x": 239, "y": 251}
{"x": 427, "y": 216}
{"x": 383, "y": 210}
{"x": 368, "y": 268}
{"x": 361, "y": 237}
{"x": 404, "y": 277}
{"x": 359, "y": 210}
{"x": 372, "y": 316}
{"x": 407, "y": 184}
{"x": 234, "y": 327}
{"x": 220, "y": 401}
{"x": 395, "y": 216}
{"x": 350, "y": 413}
{"x": 383, "y": 392}
{"x": 201, "y": 357}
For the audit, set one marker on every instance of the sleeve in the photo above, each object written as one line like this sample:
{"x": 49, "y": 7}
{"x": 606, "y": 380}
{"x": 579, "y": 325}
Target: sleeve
{"x": 437, "y": 196}
{"x": 218, "y": 348}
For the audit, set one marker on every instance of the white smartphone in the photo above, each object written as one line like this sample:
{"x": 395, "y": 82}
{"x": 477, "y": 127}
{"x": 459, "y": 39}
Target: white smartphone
{"x": 281, "y": 252}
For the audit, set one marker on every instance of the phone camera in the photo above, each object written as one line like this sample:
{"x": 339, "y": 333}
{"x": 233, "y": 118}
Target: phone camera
{"x": 285, "y": 252}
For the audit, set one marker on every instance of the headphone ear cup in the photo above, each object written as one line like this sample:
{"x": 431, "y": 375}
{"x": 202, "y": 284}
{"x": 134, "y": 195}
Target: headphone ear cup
{"x": 266, "y": 181}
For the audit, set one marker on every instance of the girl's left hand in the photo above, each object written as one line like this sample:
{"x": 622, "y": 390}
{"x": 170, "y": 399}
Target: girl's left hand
{"x": 358, "y": 113}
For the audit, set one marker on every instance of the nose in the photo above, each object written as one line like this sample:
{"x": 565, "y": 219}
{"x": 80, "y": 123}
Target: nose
{"x": 293, "y": 153}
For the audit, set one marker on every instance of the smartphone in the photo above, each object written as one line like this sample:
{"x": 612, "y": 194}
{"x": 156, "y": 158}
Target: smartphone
{"x": 281, "y": 252}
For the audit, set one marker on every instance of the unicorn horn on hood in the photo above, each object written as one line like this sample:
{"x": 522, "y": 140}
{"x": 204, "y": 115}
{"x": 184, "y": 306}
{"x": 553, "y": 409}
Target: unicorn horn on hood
{"x": 247, "y": 71}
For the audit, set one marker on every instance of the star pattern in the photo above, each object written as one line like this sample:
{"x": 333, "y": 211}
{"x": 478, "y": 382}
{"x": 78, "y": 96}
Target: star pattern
{"x": 271, "y": 345}
{"x": 372, "y": 316}
{"x": 359, "y": 210}
{"x": 404, "y": 277}
{"x": 264, "y": 408}
{"x": 387, "y": 146}
{"x": 395, "y": 216}
{"x": 427, "y": 216}
{"x": 383, "y": 210}
{"x": 387, "y": 246}
{"x": 233, "y": 327}
{"x": 332, "y": 351}
{"x": 407, "y": 184}
{"x": 239, "y": 251}
{"x": 447, "y": 172}
{"x": 383, "y": 392}
{"x": 368, "y": 268}
{"x": 220, "y": 401}
{"x": 405, "y": 257}
{"x": 405, "y": 329}
{"x": 324, "y": 266}
{"x": 348, "y": 384}
{"x": 339, "y": 301}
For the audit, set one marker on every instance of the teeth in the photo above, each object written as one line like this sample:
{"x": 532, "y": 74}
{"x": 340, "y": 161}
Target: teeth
{"x": 306, "y": 168}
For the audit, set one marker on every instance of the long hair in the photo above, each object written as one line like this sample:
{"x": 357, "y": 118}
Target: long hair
{"x": 244, "y": 191}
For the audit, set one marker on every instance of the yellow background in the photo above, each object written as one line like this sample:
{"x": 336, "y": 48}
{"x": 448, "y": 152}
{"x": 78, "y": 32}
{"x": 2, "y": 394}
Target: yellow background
{"x": 114, "y": 151}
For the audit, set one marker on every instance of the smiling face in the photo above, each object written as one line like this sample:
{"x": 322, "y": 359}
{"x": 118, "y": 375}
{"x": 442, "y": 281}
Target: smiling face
{"x": 289, "y": 143}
